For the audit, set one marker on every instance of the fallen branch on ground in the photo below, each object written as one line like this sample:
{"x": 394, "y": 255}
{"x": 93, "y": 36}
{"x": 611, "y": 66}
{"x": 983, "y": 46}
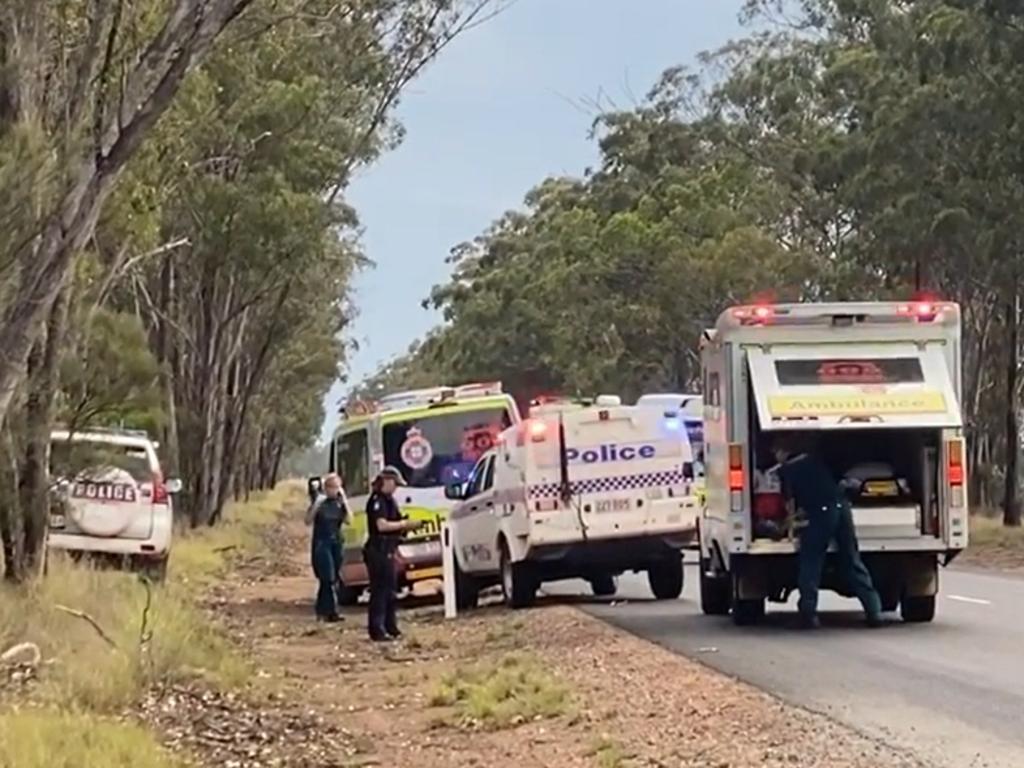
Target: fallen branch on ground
{"x": 91, "y": 621}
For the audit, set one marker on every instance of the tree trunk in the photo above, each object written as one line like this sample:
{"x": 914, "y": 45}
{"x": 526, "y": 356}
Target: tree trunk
{"x": 11, "y": 535}
{"x": 34, "y": 485}
{"x": 1011, "y": 491}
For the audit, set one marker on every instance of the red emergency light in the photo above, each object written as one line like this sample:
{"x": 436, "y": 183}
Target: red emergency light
{"x": 754, "y": 315}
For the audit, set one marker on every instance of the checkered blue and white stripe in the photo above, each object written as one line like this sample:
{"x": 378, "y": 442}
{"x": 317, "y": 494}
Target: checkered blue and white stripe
{"x": 611, "y": 484}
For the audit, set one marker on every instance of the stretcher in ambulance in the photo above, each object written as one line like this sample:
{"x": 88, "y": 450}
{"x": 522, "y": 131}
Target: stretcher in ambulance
{"x": 873, "y": 390}
{"x": 578, "y": 492}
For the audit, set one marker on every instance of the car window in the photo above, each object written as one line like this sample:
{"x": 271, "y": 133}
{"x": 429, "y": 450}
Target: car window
{"x": 488, "y": 475}
{"x": 352, "y": 461}
{"x": 85, "y": 459}
{"x": 476, "y": 481}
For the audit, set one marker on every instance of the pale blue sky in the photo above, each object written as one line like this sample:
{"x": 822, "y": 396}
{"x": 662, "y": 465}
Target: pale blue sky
{"x": 502, "y": 108}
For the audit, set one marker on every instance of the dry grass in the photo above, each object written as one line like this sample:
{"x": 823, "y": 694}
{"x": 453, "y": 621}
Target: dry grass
{"x": 501, "y": 694}
{"x": 85, "y": 676}
{"x": 52, "y": 739}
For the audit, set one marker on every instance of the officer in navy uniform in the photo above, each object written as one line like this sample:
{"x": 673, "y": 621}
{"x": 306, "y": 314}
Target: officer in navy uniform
{"x": 327, "y": 514}
{"x": 809, "y": 484}
{"x": 385, "y": 528}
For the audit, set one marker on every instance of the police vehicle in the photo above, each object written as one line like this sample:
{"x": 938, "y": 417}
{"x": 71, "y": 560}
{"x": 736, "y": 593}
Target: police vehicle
{"x": 578, "y": 490}
{"x": 434, "y": 436}
{"x": 875, "y": 389}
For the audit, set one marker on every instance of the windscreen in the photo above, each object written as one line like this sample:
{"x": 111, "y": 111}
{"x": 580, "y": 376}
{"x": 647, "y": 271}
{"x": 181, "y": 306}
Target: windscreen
{"x": 85, "y": 460}
{"x": 442, "y": 448}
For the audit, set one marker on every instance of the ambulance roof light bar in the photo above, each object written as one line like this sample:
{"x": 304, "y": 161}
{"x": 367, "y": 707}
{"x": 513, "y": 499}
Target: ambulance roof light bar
{"x": 838, "y": 313}
{"x": 438, "y": 395}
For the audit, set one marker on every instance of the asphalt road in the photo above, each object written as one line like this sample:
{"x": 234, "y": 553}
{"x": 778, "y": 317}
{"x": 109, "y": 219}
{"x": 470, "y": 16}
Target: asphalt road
{"x": 950, "y": 692}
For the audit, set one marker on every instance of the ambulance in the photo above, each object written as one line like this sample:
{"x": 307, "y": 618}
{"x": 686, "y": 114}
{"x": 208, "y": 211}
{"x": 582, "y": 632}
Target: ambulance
{"x": 874, "y": 389}
{"x": 578, "y": 490}
{"x": 435, "y": 437}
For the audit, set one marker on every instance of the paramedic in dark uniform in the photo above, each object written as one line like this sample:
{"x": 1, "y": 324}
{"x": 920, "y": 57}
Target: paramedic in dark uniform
{"x": 385, "y": 527}
{"x": 327, "y": 514}
{"x": 808, "y": 483}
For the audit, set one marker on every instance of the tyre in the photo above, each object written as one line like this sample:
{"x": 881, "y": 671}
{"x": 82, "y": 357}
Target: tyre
{"x": 518, "y": 585}
{"x": 666, "y": 578}
{"x": 157, "y": 572}
{"x": 604, "y": 586}
{"x": 918, "y": 610}
{"x": 747, "y": 612}
{"x": 715, "y": 597}
{"x": 349, "y": 595}
{"x": 467, "y": 589}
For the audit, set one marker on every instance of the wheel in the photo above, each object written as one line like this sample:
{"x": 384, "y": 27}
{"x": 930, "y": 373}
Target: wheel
{"x": 666, "y": 578}
{"x": 715, "y": 597}
{"x": 747, "y": 612}
{"x": 604, "y": 585}
{"x": 157, "y": 572}
{"x": 518, "y": 586}
{"x": 467, "y": 589}
{"x": 349, "y": 595}
{"x": 918, "y": 610}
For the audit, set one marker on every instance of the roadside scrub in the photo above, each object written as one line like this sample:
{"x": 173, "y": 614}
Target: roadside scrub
{"x": 502, "y": 693}
{"x": 993, "y": 545}
{"x": 106, "y": 637}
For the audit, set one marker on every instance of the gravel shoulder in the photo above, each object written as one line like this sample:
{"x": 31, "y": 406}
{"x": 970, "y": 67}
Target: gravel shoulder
{"x": 546, "y": 687}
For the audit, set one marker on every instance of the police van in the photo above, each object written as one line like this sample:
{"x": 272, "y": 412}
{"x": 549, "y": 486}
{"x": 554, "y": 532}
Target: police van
{"x": 577, "y": 490}
{"x": 874, "y": 390}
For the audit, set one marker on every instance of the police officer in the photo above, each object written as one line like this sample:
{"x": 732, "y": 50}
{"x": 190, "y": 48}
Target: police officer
{"x": 326, "y": 514}
{"x": 809, "y": 484}
{"x": 385, "y": 527}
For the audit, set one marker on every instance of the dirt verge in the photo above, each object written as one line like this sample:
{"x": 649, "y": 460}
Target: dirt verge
{"x": 547, "y": 687}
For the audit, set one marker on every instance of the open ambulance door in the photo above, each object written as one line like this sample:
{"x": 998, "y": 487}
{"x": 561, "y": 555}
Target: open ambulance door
{"x": 848, "y": 386}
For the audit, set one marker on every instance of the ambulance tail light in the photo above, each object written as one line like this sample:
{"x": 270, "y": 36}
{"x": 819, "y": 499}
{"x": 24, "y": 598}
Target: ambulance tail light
{"x": 736, "y": 477}
{"x": 955, "y": 472}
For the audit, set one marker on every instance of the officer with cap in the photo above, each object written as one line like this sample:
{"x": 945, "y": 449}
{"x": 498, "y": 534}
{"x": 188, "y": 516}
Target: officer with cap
{"x": 385, "y": 526}
{"x": 808, "y": 482}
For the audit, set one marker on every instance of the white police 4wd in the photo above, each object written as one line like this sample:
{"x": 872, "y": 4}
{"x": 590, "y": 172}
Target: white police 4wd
{"x": 112, "y": 497}
{"x": 577, "y": 491}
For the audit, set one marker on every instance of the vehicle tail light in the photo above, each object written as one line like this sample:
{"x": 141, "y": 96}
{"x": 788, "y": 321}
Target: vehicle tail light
{"x": 538, "y": 431}
{"x": 736, "y": 477}
{"x": 160, "y": 495}
{"x": 955, "y": 472}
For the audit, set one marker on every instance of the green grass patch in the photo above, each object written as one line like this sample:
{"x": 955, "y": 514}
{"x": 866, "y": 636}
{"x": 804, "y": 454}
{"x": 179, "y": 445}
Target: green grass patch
{"x": 51, "y": 739}
{"x": 607, "y": 753}
{"x": 502, "y": 694}
{"x": 170, "y": 641}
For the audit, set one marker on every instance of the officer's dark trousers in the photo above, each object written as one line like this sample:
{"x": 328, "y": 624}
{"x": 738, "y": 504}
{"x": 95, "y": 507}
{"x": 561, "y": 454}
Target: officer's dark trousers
{"x": 833, "y": 523}
{"x": 383, "y": 588}
{"x": 326, "y": 562}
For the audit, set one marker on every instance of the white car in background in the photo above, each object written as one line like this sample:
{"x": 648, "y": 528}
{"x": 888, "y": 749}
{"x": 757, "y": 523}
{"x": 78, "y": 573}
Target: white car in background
{"x": 114, "y": 499}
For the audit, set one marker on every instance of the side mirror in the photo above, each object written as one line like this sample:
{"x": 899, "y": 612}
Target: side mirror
{"x": 174, "y": 485}
{"x": 688, "y": 470}
{"x": 454, "y": 492}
